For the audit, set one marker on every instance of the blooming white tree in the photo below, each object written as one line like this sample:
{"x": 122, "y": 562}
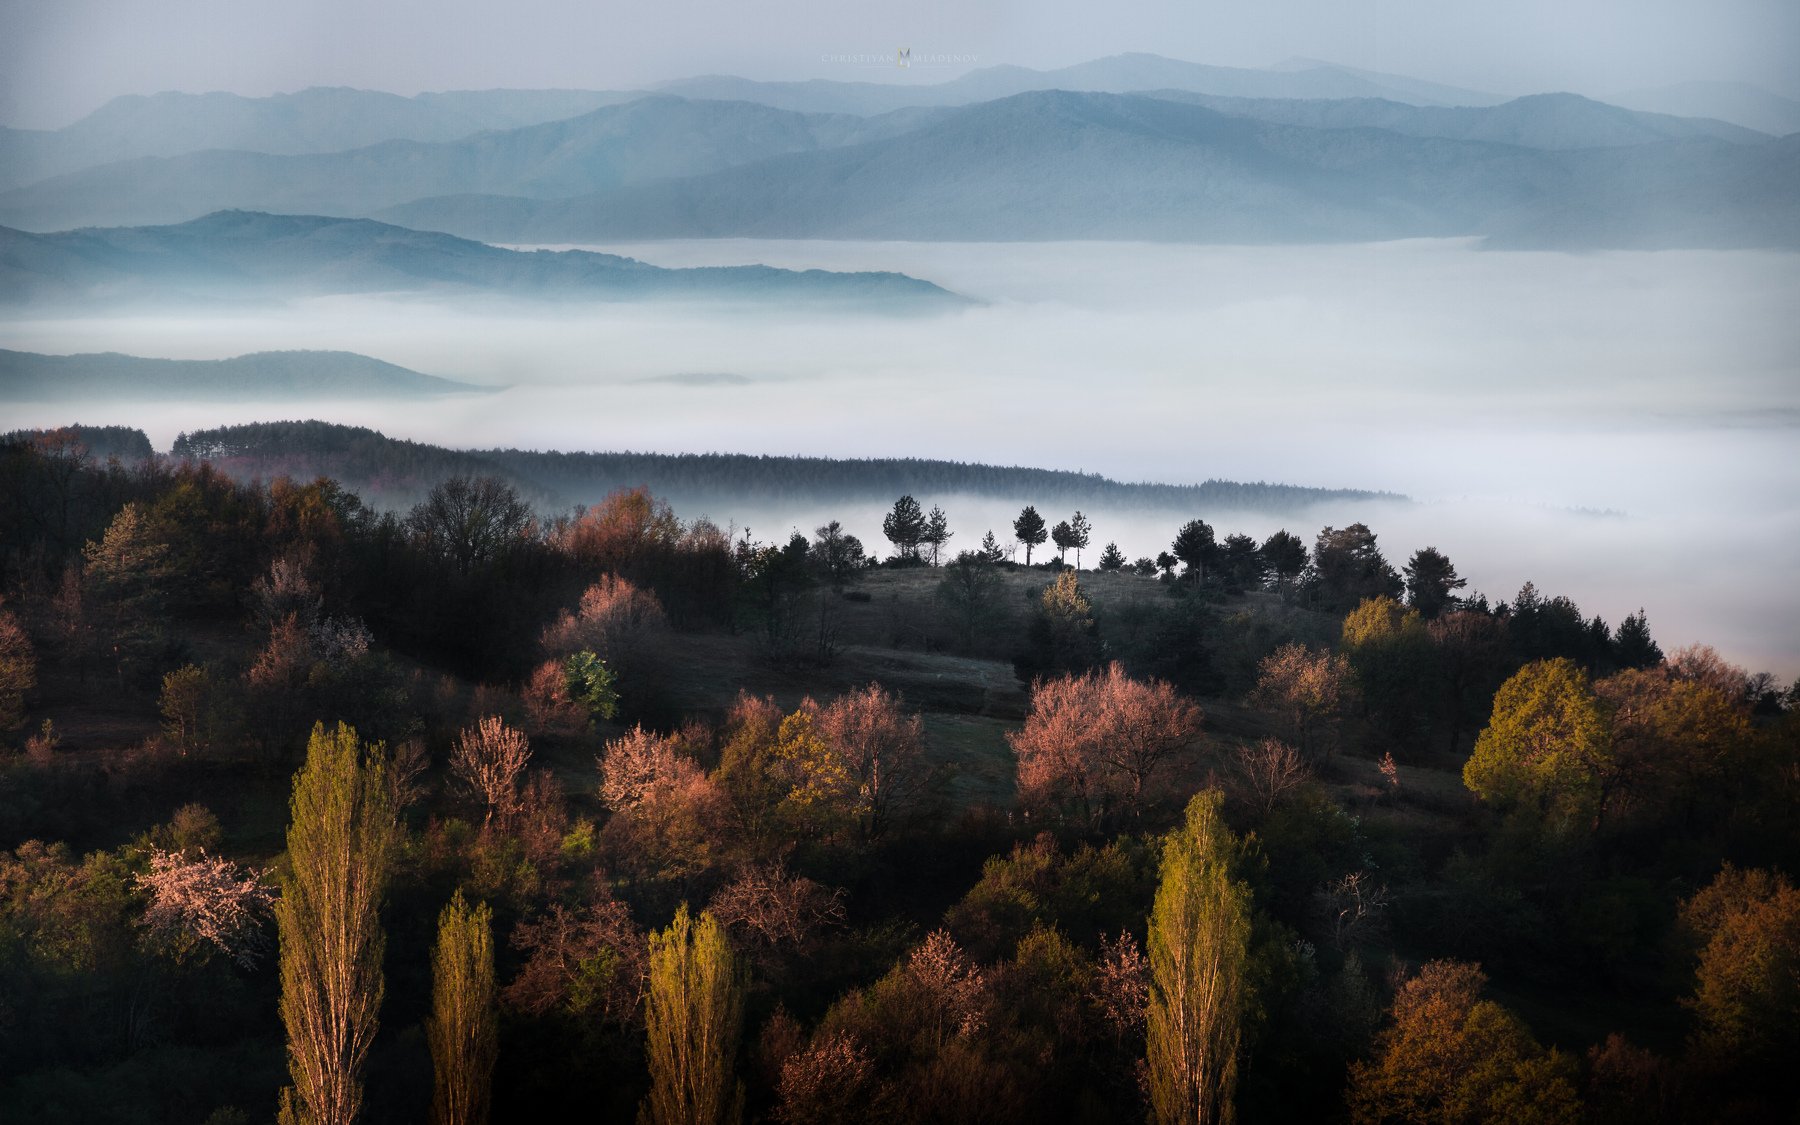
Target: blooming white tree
{"x": 208, "y": 899}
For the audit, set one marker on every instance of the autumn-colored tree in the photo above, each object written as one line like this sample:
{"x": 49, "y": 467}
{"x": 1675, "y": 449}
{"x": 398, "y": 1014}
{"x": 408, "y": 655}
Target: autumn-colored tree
{"x": 694, "y": 1016}
{"x": 618, "y": 621}
{"x": 589, "y": 963}
{"x": 869, "y": 761}
{"x": 1745, "y": 925}
{"x": 664, "y": 806}
{"x": 1455, "y": 1058}
{"x": 1672, "y": 740}
{"x": 463, "y": 1029}
{"x": 128, "y": 574}
{"x": 341, "y": 844}
{"x": 489, "y": 759}
{"x": 1307, "y": 691}
{"x": 1546, "y": 747}
{"x": 1100, "y": 743}
{"x": 1063, "y": 636}
{"x": 1199, "y": 950}
{"x": 825, "y": 1082}
{"x": 622, "y": 531}
{"x": 18, "y": 670}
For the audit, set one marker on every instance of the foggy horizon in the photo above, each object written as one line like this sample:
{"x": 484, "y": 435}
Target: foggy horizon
{"x": 59, "y": 63}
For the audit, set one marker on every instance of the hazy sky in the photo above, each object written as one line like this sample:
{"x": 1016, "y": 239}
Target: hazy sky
{"x": 60, "y": 59}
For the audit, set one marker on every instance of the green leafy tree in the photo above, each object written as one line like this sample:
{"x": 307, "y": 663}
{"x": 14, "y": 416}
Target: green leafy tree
{"x": 836, "y": 554}
{"x": 463, "y": 1029}
{"x": 1199, "y": 949}
{"x": 1546, "y": 747}
{"x": 341, "y": 845}
{"x": 1030, "y": 530}
{"x": 905, "y": 527}
{"x": 694, "y": 1016}
{"x": 1063, "y": 635}
{"x": 129, "y": 574}
{"x": 592, "y": 684}
{"x": 1431, "y": 583}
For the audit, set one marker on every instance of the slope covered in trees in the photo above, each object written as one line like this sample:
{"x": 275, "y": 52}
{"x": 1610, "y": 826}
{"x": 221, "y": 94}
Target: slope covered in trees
{"x": 312, "y": 810}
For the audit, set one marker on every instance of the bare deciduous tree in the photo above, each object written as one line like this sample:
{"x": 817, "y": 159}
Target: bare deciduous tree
{"x": 1271, "y": 769}
{"x": 774, "y": 913}
{"x": 1351, "y": 907}
{"x": 489, "y": 758}
{"x": 1306, "y": 691}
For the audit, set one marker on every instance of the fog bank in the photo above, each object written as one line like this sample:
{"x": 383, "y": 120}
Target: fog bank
{"x": 1493, "y": 387}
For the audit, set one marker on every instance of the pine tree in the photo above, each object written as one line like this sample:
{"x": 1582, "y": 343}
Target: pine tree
{"x": 905, "y": 527}
{"x": 1198, "y": 945}
{"x": 1080, "y": 532}
{"x": 1430, "y": 582}
{"x": 463, "y": 1030}
{"x": 340, "y": 849}
{"x": 1633, "y": 647}
{"x": 1112, "y": 558}
{"x": 1030, "y": 530}
{"x": 1194, "y": 546}
{"x": 694, "y": 1016}
{"x": 937, "y": 533}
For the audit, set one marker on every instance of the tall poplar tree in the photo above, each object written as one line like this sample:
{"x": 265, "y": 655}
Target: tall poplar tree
{"x": 694, "y": 1017}
{"x": 464, "y": 1027}
{"x": 1198, "y": 944}
{"x": 340, "y": 848}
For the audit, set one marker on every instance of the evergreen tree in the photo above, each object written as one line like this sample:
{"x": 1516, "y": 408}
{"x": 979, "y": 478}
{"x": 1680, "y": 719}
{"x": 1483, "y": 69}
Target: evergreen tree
{"x": 905, "y": 527}
{"x": 463, "y": 1029}
{"x": 1351, "y": 567}
{"x": 1285, "y": 555}
{"x": 693, "y": 1015}
{"x": 1080, "y": 532}
{"x": 1633, "y": 647}
{"x": 1194, "y": 547}
{"x": 1064, "y": 537}
{"x": 1198, "y": 946}
{"x": 1112, "y": 559}
{"x": 937, "y": 533}
{"x": 990, "y": 548}
{"x": 340, "y": 850}
{"x": 1030, "y": 530}
{"x": 1430, "y": 583}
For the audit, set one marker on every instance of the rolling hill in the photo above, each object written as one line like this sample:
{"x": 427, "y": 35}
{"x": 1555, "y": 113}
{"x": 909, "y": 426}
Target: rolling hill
{"x": 242, "y": 256}
{"x": 27, "y": 376}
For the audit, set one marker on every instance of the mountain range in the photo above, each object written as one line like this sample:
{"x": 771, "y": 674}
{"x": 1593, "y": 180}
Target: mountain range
{"x": 238, "y": 256}
{"x": 265, "y": 376}
{"x": 1058, "y": 165}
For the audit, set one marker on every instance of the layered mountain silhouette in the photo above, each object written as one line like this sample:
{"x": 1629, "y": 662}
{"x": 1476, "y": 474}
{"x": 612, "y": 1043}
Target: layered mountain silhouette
{"x": 248, "y": 256}
{"x": 1058, "y": 165}
{"x": 285, "y": 376}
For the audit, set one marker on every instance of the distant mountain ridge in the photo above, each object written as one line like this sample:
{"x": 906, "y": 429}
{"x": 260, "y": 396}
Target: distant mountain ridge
{"x": 237, "y": 256}
{"x": 643, "y": 141}
{"x": 1059, "y": 165}
{"x": 320, "y": 119}
{"x": 267, "y": 376}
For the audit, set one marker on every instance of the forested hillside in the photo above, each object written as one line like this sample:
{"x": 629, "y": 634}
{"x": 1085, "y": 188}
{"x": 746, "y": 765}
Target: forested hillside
{"x": 599, "y": 814}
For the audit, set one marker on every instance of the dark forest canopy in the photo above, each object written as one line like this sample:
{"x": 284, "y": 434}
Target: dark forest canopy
{"x": 395, "y": 472}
